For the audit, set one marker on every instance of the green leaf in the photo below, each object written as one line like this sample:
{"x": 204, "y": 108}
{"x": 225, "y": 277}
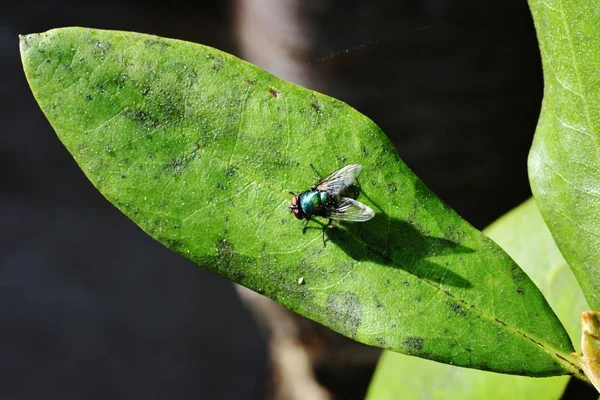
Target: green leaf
{"x": 564, "y": 162}
{"x": 525, "y": 236}
{"x": 200, "y": 149}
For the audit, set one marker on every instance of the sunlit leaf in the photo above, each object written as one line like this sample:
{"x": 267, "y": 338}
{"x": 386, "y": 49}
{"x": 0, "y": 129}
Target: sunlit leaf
{"x": 564, "y": 162}
{"x": 525, "y": 236}
{"x": 200, "y": 149}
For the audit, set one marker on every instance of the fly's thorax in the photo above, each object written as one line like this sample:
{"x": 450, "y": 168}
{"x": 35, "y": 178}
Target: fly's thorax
{"x": 314, "y": 202}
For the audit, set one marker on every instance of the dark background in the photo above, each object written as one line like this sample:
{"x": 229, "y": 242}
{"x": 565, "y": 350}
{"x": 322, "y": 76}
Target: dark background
{"x": 93, "y": 308}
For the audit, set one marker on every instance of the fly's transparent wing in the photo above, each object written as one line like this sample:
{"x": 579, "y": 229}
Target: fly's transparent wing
{"x": 339, "y": 180}
{"x": 351, "y": 210}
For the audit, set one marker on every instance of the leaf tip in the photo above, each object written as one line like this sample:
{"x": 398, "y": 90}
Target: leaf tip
{"x": 24, "y": 42}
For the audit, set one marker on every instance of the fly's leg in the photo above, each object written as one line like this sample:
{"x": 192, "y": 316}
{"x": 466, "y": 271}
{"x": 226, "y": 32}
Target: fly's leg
{"x": 324, "y": 228}
{"x": 304, "y": 226}
{"x": 316, "y": 174}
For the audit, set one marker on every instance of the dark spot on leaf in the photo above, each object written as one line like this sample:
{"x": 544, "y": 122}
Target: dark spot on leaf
{"x": 156, "y": 42}
{"x": 163, "y": 228}
{"x": 174, "y": 244}
{"x": 391, "y": 188}
{"x": 249, "y": 81}
{"x": 145, "y": 91}
{"x": 228, "y": 263}
{"x": 88, "y": 97}
{"x": 458, "y": 309}
{"x": 101, "y": 88}
{"x": 454, "y": 233}
{"x": 172, "y": 106}
{"x": 380, "y": 341}
{"x": 520, "y": 290}
{"x": 344, "y": 312}
{"x": 445, "y": 330}
{"x": 100, "y": 48}
{"x": 141, "y": 117}
{"x": 516, "y": 273}
{"x": 274, "y": 92}
{"x": 218, "y": 185}
{"x": 122, "y": 176}
{"x": 178, "y": 165}
{"x": 218, "y": 63}
{"x": 239, "y": 276}
{"x": 468, "y": 349}
{"x": 417, "y": 299}
{"x": 484, "y": 366}
{"x": 452, "y": 344}
{"x": 120, "y": 81}
{"x": 316, "y": 106}
{"x": 414, "y": 343}
{"x": 224, "y": 247}
{"x": 109, "y": 150}
{"x": 364, "y": 151}
{"x": 230, "y": 170}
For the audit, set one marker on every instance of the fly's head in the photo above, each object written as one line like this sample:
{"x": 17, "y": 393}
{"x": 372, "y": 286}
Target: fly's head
{"x": 295, "y": 207}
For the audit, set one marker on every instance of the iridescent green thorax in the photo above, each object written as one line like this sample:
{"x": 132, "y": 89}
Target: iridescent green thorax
{"x": 314, "y": 202}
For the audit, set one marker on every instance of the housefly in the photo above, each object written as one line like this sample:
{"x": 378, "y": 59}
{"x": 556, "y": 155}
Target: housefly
{"x": 332, "y": 198}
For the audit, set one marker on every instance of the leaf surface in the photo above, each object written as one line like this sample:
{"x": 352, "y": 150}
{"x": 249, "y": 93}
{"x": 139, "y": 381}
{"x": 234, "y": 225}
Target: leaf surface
{"x": 524, "y": 235}
{"x": 564, "y": 161}
{"x": 200, "y": 149}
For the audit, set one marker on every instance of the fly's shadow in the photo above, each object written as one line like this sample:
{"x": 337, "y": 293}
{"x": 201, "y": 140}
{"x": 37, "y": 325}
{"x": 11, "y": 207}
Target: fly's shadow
{"x": 398, "y": 244}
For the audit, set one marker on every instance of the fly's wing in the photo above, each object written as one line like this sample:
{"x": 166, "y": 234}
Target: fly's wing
{"x": 339, "y": 180}
{"x": 351, "y": 210}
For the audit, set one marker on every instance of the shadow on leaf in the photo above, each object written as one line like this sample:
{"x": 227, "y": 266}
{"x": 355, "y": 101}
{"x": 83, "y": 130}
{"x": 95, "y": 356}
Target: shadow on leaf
{"x": 403, "y": 247}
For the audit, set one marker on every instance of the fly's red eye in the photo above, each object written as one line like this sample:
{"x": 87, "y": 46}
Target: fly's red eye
{"x": 297, "y": 213}
{"x": 295, "y": 208}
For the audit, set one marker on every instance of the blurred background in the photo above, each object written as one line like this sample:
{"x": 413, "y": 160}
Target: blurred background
{"x": 93, "y": 308}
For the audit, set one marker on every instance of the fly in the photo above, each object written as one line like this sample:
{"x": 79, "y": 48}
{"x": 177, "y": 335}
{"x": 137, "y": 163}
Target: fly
{"x": 328, "y": 199}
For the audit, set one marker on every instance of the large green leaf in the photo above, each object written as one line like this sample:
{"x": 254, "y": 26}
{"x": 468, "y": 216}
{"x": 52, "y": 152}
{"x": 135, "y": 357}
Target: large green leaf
{"x": 200, "y": 149}
{"x": 564, "y": 162}
{"x": 525, "y": 236}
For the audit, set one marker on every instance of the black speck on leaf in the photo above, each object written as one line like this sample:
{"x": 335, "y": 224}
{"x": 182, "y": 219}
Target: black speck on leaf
{"x": 274, "y": 92}
{"x": 414, "y": 343}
